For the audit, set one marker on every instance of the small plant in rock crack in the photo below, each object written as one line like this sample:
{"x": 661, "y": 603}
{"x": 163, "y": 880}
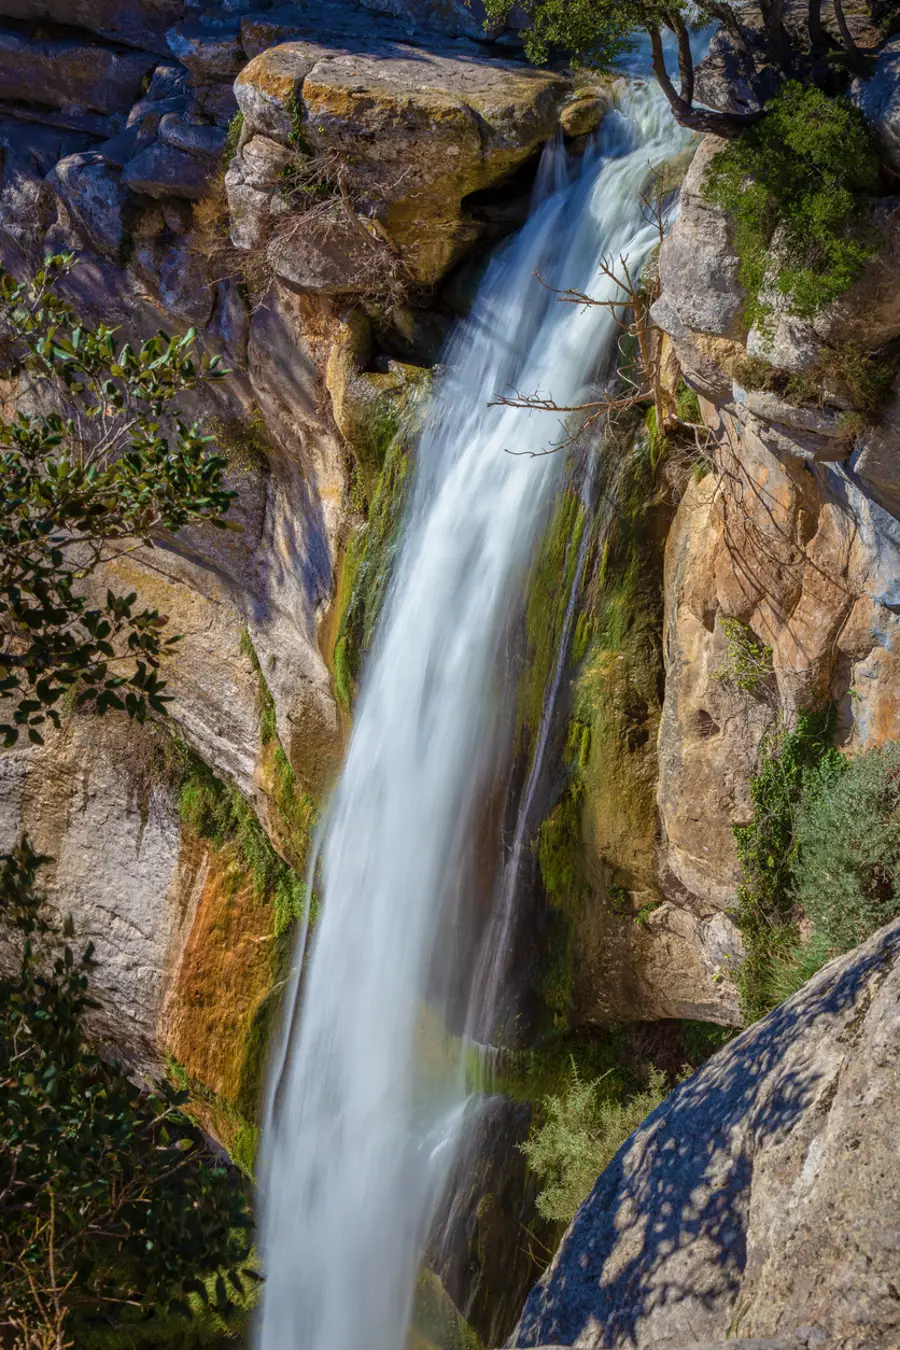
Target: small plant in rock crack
{"x": 748, "y": 662}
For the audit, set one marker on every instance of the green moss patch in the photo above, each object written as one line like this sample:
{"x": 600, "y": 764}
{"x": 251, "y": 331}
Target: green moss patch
{"x": 368, "y": 569}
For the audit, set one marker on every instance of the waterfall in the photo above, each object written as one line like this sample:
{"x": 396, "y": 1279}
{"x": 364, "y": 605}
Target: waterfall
{"x": 358, "y": 1137}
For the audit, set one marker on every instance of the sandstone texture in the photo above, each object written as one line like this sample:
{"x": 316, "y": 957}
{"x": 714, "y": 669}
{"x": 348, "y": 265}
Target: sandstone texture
{"x": 759, "y": 1197}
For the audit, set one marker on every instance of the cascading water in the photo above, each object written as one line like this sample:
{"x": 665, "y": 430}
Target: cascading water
{"x": 358, "y": 1140}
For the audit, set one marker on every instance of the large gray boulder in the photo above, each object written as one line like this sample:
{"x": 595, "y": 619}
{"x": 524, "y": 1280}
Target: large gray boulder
{"x": 763, "y": 1196}
{"x": 879, "y": 99}
{"x": 698, "y": 265}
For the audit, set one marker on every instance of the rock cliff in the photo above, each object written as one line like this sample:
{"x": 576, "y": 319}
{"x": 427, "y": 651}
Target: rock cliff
{"x": 759, "y": 1198}
{"x": 313, "y": 187}
{"x": 126, "y": 160}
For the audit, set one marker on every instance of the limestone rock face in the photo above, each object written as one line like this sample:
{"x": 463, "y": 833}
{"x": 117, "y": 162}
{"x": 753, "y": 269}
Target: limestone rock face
{"x": 423, "y": 131}
{"x": 762, "y": 1194}
{"x": 117, "y": 866}
{"x": 698, "y": 266}
{"x": 806, "y": 560}
{"x": 27, "y": 156}
{"x": 92, "y": 198}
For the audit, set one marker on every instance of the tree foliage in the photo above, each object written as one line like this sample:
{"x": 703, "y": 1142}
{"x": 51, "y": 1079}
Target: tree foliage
{"x": 104, "y": 466}
{"x": 595, "y": 32}
{"x": 108, "y": 1200}
{"x": 796, "y": 184}
{"x": 580, "y": 1132}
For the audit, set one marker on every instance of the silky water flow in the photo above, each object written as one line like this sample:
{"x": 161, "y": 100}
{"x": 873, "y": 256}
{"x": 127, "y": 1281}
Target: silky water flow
{"x": 357, "y": 1139}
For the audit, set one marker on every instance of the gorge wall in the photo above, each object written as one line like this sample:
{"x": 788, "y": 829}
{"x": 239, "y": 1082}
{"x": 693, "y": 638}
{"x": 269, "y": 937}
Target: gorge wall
{"x": 314, "y": 187}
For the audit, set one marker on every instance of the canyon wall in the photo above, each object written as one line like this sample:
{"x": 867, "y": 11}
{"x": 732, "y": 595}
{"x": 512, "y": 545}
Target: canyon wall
{"x": 314, "y": 187}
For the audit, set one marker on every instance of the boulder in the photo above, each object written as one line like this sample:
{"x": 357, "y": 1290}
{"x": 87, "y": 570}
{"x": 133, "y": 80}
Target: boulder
{"x": 216, "y": 101}
{"x": 178, "y": 276}
{"x": 27, "y": 154}
{"x": 93, "y": 199}
{"x": 419, "y": 131}
{"x": 584, "y": 115}
{"x": 164, "y": 171}
{"x": 698, "y": 266}
{"x": 879, "y": 99}
{"x": 200, "y": 139}
{"x": 730, "y": 79}
{"x": 136, "y": 23}
{"x": 67, "y": 72}
{"x": 210, "y": 54}
{"x": 762, "y": 1194}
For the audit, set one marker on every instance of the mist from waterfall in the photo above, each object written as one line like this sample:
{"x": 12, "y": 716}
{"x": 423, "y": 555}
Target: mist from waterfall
{"x": 358, "y": 1137}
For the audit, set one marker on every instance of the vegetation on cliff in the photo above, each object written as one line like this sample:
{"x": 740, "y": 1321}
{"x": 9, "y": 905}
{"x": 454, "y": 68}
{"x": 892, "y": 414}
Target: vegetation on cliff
{"x": 820, "y": 859}
{"x": 87, "y": 480}
{"x": 797, "y": 184}
{"x": 112, "y": 1209}
{"x": 580, "y": 1132}
{"x": 369, "y": 561}
{"x": 595, "y": 32}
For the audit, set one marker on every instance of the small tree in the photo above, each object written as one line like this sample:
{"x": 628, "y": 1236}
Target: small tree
{"x": 109, "y": 1203}
{"x": 103, "y": 468}
{"x": 595, "y": 32}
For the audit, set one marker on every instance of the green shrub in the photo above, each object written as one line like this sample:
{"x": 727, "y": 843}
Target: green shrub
{"x": 579, "y": 1134}
{"x": 111, "y": 1202}
{"x": 804, "y": 171}
{"x": 766, "y": 848}
{"x": 846, "y": 866}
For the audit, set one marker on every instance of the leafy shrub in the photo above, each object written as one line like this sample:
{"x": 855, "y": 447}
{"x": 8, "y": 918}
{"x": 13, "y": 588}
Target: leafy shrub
{"x": 824, "y": 846}
{"x": 766, "y": 848}
{"x": 108, "y": 1197}
{"x": 579, "y": 1134}
{"x": 80, "y": 486}
{"x": 797, "y": 179}
{"x": 846, "y": 865}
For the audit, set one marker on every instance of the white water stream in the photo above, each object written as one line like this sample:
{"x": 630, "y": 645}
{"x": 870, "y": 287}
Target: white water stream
{"x": 358, "y": 1140}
